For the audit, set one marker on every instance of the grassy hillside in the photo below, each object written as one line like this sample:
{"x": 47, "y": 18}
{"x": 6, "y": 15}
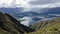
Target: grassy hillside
{"x": 47, "y": 27}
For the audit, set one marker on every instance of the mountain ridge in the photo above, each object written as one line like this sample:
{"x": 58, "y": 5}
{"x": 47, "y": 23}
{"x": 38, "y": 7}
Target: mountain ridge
{"x": 47, "y": 27}
{"x": 9, "y": 24}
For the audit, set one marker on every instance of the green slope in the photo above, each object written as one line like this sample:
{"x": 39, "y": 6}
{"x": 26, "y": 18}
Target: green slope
{"x": 47, "y": 27}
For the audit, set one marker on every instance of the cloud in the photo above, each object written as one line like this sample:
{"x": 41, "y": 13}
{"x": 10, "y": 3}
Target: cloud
{"x": 28, "y": 3}
{"x": 54, "y": 14}
{"x": 40, "y": 7}
{"x": 5, "y": 3}
{"x": 47, "y": 19}
{"x": 26, "y": 21}
{"x": 37, "y": 2}
{"x": 13, "y": 3}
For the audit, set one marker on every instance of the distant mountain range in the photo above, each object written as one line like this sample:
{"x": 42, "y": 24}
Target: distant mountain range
{"x": 18, "y": 11}
{"x": 35, "y": 15}
{"x": 54, "y": 10}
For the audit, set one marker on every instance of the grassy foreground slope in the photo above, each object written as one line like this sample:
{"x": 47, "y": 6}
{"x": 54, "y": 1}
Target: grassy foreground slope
{"x": 47, "y": 27}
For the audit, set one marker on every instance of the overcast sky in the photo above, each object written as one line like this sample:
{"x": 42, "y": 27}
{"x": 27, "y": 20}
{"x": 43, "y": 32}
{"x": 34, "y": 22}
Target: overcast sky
{"x": 28, "y": 3}
{"x": 37, "y": 2}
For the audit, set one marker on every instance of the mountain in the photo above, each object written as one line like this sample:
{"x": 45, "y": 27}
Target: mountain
{"x": 29, "y": 14}
{"x": 54, "y": 10}
{"x": 47, "y": 27}
{"x": 9, "y": 25}
{"x": 35, "y": 17}
{"x": 17, "y": 12}
{"x": 11, "y": 10}
{"x": 46, "y": 14}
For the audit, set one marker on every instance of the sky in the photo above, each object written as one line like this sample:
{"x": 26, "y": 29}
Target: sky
{"x": 28, "y": 5}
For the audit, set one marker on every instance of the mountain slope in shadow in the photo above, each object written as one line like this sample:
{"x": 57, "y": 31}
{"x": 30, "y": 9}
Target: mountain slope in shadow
{"x": 9, "y": 25}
